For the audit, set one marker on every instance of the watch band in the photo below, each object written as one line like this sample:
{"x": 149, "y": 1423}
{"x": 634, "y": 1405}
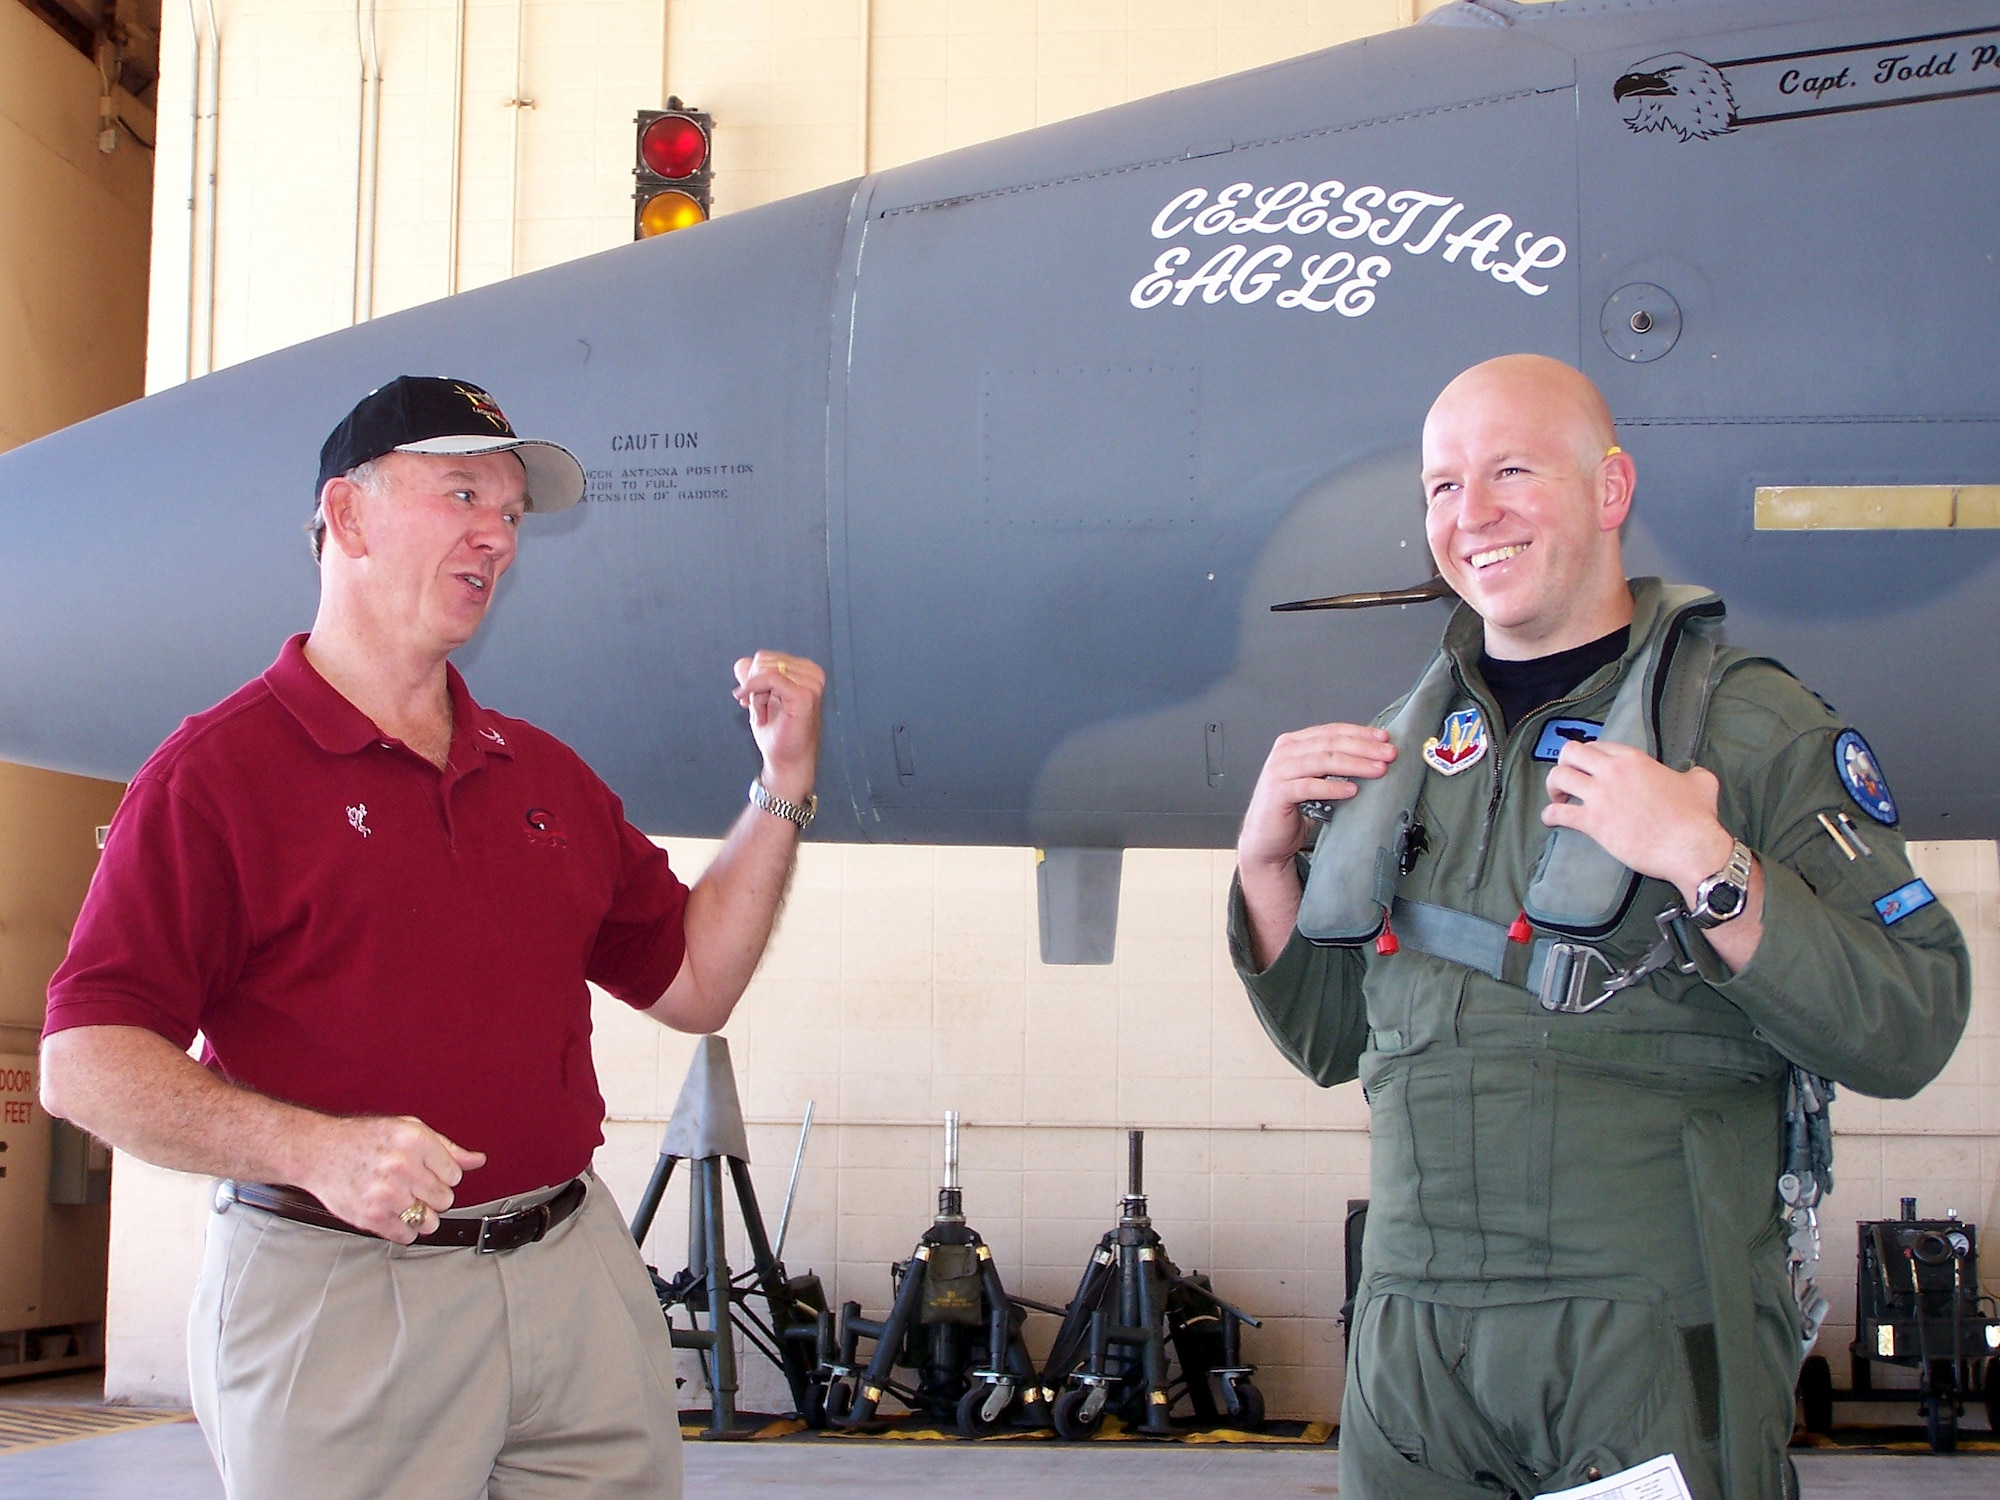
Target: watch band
{"x": 1733, "y": 878}
{"x": 792, "y": 812}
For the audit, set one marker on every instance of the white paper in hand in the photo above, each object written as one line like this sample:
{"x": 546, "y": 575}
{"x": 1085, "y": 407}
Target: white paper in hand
{"x": 1655, "y": 1479}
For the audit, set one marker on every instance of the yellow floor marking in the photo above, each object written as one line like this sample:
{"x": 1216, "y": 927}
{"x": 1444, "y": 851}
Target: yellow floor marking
{"x": 41, "y": 1426}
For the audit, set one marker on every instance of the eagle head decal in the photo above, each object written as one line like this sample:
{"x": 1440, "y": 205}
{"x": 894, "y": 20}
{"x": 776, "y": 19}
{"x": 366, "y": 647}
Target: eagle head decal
{"x": 1679, "y": 93}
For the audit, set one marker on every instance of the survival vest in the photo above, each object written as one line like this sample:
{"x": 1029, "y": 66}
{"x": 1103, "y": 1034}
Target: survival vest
{"x": 1579, "y": 892}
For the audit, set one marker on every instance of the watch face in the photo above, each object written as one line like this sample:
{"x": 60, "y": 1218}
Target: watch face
{"x": 1724, "y": 900}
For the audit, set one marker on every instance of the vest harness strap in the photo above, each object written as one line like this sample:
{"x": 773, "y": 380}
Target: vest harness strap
{"x": 1559, "y": 972}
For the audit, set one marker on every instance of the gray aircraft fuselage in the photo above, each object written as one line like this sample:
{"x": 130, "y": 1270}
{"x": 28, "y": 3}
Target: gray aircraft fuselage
{"x": 1024, "y": 441}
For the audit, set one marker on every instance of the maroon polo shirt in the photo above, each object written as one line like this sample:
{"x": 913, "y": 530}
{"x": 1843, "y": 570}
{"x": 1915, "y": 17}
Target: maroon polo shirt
{"x": 353, "y": 930}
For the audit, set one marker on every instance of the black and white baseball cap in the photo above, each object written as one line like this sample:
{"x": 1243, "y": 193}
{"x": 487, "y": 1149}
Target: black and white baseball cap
{"x": 434, "y": 414}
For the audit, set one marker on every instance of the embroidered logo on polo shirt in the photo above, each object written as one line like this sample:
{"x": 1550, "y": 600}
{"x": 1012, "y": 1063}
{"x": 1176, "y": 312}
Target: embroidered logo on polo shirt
{"x": 494, "y": 735}
{"x": 544, "y": 830}
{"x": 357, "y": 819}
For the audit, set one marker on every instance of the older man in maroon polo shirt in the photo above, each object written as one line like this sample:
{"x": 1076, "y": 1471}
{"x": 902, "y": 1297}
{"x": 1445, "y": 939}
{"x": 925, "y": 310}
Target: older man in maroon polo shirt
{"x": 379, "y": 903}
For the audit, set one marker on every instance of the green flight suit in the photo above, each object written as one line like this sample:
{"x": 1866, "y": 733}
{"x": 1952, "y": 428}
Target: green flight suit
{"x": 1575, "y": 1255}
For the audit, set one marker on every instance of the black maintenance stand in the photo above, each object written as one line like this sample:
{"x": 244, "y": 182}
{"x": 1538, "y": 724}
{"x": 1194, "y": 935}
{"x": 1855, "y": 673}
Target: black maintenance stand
{"x": 952, "y": 1324}
{"x": 1111, "y": 1352}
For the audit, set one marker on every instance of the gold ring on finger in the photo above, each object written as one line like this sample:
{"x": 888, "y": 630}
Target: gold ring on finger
{"x": 414, "y": 1214}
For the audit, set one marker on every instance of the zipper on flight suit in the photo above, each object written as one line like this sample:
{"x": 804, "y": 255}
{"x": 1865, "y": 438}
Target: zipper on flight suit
{"x": 1491, "y": 710}
{"x": 1493, "y": 802}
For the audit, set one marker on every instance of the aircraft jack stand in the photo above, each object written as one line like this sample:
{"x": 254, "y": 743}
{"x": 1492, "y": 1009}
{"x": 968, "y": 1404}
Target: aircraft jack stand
{"x": 706, "y": 1131}
{"x": 1111, "y": 1352}
{"x": 950, "y": 1316}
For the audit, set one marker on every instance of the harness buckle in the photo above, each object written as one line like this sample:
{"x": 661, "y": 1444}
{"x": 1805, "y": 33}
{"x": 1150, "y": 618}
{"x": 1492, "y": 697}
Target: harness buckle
{"x": 1566, "y": 977}
{"x": 1566, "y": 974}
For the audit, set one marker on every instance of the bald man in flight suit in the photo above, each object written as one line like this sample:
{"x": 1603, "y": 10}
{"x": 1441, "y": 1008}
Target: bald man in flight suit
{"x": 1576, "y": 1254}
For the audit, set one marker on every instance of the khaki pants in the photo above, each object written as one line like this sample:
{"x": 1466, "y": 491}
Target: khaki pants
{"x": 328, "y": 1366}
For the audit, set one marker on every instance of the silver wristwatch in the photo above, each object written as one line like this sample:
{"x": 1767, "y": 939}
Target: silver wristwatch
{"x": 1722, "y": 897}
{"x": 791, "y": 812}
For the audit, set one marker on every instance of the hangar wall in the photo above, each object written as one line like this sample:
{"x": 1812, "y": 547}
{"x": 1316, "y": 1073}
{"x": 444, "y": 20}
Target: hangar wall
{"x": 907, "y": 981}
{"x": 73, "y": 248}
{"x": 73, "y": 240}
{"x": 904, "y": 981}
{"x": 505, "y": 126}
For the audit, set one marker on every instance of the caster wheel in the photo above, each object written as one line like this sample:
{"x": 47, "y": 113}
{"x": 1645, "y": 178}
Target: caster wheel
{"x": 971, "y": 1406}
{"x": 813, "y": 1414}
{"x": 1941, "y": 1425}
{"x": 1249, "y": 1408}
{"x": 1068, "y": 1415}
{"x": 838, "y": 1402}
{"x": 1816, "y": 1394}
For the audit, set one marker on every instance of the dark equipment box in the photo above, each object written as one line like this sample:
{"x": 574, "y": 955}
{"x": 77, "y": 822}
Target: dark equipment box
{"x": 1917, "y": 1306}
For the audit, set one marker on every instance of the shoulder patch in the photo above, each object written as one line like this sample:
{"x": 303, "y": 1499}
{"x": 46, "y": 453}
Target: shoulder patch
{"x": 1900, "y": 902}
{"x": 1559, "y": 732}
{"x": 1855, "y": 764}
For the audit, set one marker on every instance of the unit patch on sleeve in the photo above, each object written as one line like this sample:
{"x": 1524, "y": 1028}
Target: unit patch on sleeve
{"x": 1461, "y": 742}
{"x": 1559, "y": 732}
{"x": 1899, "y": 903}
{"x": 1863, "y": 778}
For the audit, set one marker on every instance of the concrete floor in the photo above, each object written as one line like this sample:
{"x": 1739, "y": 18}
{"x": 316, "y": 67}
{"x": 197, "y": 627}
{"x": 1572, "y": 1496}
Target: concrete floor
{"x": 172, "y": 1463}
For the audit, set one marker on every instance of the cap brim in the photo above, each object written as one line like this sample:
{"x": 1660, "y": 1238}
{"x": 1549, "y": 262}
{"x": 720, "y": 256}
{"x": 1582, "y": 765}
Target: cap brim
{"x": 555, "y": 476}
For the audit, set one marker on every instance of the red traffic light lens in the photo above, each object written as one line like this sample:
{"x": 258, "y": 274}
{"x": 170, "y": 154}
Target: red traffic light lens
{"x": 668, "y": 211}
{"x": 674, "y": 146}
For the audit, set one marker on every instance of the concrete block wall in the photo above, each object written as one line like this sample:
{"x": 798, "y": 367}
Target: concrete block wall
{"x": 1943, "y": 1146}
{"x": 906, "y": 981}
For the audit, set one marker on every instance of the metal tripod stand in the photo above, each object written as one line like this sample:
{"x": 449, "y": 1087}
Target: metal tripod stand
{"x": 707, "y": 1132}
{"x": 1111, "y": 1353}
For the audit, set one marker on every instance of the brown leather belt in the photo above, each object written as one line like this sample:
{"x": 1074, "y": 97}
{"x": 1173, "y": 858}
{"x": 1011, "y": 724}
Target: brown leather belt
{"x": 486, "y": 1236}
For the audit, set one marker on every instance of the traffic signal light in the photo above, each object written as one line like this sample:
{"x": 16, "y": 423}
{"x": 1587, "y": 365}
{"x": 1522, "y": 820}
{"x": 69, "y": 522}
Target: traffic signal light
{"x": 674, "y": 160}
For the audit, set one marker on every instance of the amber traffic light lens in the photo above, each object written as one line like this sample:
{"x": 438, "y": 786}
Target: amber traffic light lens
{"x": 674, "y": 146}
{"x": 668, "y": 211}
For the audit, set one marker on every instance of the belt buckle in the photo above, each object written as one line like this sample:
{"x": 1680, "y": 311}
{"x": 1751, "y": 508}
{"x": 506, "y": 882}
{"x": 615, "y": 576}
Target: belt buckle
{"x": 507, "y": 1223}
{"x": 1566, "y": 975}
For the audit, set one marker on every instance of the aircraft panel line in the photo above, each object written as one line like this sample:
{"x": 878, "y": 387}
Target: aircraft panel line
{"x": 1169, "y": 161}
{"x": 1834, "y": 420}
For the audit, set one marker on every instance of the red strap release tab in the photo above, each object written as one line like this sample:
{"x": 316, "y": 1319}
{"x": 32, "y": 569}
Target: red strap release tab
{"x": 1522, "y": 931}
{"x": 1386, "y": 943}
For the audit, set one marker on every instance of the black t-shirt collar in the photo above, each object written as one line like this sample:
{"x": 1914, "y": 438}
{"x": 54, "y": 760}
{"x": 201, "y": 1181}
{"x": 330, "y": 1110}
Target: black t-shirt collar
{"x": 1521, "y": 687}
